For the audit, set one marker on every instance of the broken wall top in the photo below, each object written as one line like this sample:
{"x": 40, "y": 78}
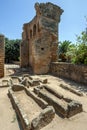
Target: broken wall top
{"x": 48, "y": 10}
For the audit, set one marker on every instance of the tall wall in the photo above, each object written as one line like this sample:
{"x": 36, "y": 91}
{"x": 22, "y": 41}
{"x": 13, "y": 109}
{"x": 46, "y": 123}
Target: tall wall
{"x": 77, "y": 73}
{"x": 1, "y": 56}
{"x": 40, "y": 38}
{"x": 24, "y": 51}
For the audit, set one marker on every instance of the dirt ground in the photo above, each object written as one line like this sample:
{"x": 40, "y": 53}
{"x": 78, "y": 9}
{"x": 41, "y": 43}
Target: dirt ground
{"x": 77, "y": 122}
{"x": 31, "y": 108}
{"x": 8, "y": 120}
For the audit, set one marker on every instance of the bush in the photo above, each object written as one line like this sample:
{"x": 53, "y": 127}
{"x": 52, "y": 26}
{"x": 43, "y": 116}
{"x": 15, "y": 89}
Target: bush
{"x": 85, "y": 61}
{"x": 12, "y": 50}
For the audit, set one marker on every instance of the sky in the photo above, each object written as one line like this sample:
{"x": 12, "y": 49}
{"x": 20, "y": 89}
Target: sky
{"x": 14, "y": 13}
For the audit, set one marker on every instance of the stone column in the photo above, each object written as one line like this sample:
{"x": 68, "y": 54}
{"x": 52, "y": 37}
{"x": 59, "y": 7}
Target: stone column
{"x": 2, "y": 53}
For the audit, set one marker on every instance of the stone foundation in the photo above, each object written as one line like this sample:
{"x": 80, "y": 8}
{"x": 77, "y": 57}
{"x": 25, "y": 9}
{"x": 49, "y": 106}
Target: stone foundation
{"x": 71, "y": 90}
{"x": 37, "y": 119}
{"x": 44, "y": 99}
{"x": 63, "y": 106}
{"x": 77, "y": 73}
{"x": 41, "y": 120}
{"x": 2, "y": 40}
{"x": 20, "y": 112}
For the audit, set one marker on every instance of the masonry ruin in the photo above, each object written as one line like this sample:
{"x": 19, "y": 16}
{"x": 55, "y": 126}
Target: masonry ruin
{"x": 39, "y": 45}
{"x": 28, "y": 92}
{"x": 2, "y": 56}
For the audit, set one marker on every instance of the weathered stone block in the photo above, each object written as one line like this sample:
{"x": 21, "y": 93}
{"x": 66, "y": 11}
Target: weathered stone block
{"x": 44, "y": 118}
{"x": 57, "y": 105}
{"x": 34, "y": 82}
{"x": 25, "y": 82}
{"x": 74, "y": 108}
{"x": 43, "y": 104}
{"x": 20, "y": 112}
{"x": 17, "y": 87}
{"x": 64, "y": 106}
{"x": 44, "y": 81}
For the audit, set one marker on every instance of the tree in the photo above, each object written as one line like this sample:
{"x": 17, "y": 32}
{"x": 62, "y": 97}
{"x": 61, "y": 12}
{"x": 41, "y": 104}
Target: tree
{"x": 63, "y": 48}
{"x": 81, "y": 52}
{"x": 75, "y": 53}
{"x": 12, "y": 50}
{"x": 71, "y": 52}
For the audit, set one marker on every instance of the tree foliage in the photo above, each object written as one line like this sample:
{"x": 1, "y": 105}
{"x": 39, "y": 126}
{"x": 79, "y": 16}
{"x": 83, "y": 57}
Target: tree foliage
{"x": 71, "y": 52}
{"x": 63, "y": 48}
{"x": 75, "y": 53}
{"x": 81, "y": 52}
{"x": 12, "y": 50}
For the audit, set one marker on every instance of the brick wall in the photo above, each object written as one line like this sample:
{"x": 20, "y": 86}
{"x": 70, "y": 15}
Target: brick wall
{"x": 77, "y": 73}
{"x": 1, "y": 56}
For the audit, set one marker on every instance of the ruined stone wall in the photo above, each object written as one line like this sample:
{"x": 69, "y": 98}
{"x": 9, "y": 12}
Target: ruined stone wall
{"x": 77, "y": 73}
{"x": 24, "y": 54}
{"x": 41, "y": 35}
{"x": 24, "y": 49}
{"x": 1, "y": 56}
